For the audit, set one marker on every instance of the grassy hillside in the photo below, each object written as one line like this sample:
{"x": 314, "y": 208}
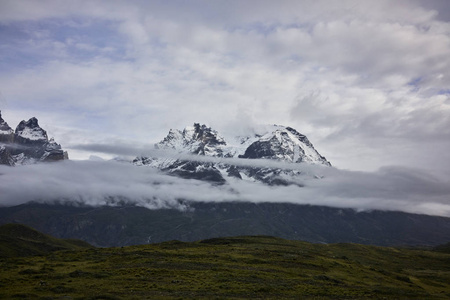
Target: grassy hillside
{"x": 21, "y": 240}
{"x": 241, "y": 267}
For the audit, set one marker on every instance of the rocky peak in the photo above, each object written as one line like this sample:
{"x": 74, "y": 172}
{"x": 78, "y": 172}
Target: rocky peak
{"x": 30, "y": 130}
{"x": 284, "y": 143}
{"x": 277, "y": 142}
{"x": 204, "y": 140}
{"x": 6, "y": 132}
{"x": 31, "y": 123}
{"x": 272, "y": 142}
{"x": 299, "y": 136}
{"x": 206, "y": 135}
{"x": 197, "y": 139}
{"x": 4, "y": 127}
{"x": 28, "y": 144}
{"x": 173, "y": 140}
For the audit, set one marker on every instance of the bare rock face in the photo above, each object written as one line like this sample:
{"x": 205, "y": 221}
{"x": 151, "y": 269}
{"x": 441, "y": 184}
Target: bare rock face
{"x": 6, "y": 132}
{"x": 6, "y": 157}
{"x": 28, "y": 144}
{"x": 6, "y": 137}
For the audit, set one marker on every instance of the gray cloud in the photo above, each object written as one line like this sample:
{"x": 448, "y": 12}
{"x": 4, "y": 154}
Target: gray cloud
{"x": 114, "y": 183}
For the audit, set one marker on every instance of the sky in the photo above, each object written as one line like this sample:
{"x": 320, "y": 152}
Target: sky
{"x": 366, "y": 81}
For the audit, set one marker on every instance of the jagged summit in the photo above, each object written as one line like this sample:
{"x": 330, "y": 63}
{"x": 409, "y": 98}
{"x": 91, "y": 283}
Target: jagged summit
{"x": 276, "y": 143}
{"x": 30, "y": 132}
{"x": 28, "y": 144}
{"x": 4, "y": 127}
{"x": 197, "y": 139}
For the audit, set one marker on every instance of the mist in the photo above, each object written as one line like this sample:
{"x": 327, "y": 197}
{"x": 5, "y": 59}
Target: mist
{"x": 99, "y": 183}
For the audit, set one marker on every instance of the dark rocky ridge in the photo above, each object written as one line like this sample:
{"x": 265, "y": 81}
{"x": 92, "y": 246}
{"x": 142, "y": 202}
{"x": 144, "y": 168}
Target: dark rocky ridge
{"x": 129, "y": 225}
{"x": 29, "y": 143}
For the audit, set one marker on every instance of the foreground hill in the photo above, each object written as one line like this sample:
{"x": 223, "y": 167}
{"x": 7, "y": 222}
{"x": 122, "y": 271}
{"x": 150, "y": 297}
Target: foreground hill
{"x": 21, "y": 240}
{"x": 239, "y": 267}
{"x": 108, "y": 226}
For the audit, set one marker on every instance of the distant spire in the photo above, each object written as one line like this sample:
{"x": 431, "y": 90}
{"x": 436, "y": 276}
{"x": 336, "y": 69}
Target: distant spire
{"x": 3, "y": 125}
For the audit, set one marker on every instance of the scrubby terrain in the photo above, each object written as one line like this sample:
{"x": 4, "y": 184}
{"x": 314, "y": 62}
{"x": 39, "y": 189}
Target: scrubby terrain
{"x": 238, "y": 267}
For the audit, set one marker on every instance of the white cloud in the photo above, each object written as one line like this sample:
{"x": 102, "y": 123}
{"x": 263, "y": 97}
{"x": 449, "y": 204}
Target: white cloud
{"x": 113, "y": 183}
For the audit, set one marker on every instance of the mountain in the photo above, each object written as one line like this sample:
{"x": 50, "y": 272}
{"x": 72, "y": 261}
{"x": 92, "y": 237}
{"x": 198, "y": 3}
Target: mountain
{"x": 27, "y": 144}
{"x": 124, "y": 225}
{"x": 200, "y": 152}
{"x": 277, "y": 143}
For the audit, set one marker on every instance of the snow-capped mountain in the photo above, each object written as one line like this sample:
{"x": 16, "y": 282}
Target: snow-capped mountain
{"x": 197, "y": 139}
{"x": 30, "y": 133}
{"x": 277, "y": 143}
{"x": 284, "y": 143}
{"x": 27, "y": 144}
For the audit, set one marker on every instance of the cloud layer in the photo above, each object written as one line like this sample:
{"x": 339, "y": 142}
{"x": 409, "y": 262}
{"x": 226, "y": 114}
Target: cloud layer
{"x": 113, "y": 183}
{"x": 366, "y": 81}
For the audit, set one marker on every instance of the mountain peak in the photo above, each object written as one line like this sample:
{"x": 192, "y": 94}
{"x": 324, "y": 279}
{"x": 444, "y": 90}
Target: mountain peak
{"x": 31, "y": 123}
{"x": 286, "y": 144}
{"x": 4, "y": 127}
{"x": 30, "y": 131}
{"x": 196, "y": 139}
{"x": 28, "y": 144}
{"x": 276, "y": 142}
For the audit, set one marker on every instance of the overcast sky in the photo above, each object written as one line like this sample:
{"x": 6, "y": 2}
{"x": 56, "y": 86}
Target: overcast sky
{"x": 367, "y": 81}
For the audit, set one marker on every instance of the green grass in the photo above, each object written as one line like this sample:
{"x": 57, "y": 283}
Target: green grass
{"x": 241, "y": 267}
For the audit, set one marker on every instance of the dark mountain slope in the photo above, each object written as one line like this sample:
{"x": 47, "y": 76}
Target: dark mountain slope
{"x": 130, "y": 225}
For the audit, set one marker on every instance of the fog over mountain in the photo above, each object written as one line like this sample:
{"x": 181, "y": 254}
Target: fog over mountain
{"x": 113, "y": 183}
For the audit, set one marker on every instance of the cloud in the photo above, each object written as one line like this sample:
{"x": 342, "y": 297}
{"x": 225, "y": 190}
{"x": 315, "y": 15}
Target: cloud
{"x": 363, "y": 80}
{"x": 115, "y": 183}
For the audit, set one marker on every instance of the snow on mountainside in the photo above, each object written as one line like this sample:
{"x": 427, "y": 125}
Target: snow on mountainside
{"x": 197, "y": 139}
{"x": 4, "y": 127}
{"x": 31, "y": 131}
{"x": 286, "y": 144}
{"x": 27, "y": 144}
{"x": 277, "y": 143}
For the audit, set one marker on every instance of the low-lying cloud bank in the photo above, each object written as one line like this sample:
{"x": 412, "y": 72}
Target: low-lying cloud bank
{"x": 112, "y": 183}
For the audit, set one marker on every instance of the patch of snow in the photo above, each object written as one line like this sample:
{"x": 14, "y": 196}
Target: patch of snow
{"x": 21, "y": 159}
{"x": 6, "y": 132}
{"x": 34, "y": 134}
